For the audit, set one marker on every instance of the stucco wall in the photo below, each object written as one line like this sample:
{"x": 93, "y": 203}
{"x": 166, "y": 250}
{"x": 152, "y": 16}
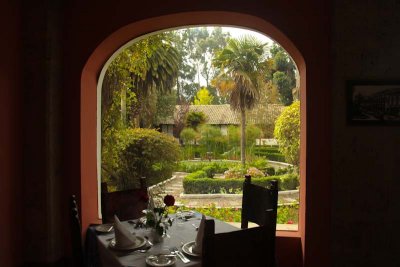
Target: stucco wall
{"x": 366, "y": 177}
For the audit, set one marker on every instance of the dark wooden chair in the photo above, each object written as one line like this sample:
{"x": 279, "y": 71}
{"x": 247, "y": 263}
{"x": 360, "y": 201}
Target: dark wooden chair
{"x": 127, "y": 204}
{"x": 245, "y": 247}
{"x": 259, "y": 205}
{"x": 256, "y": 200}
{"x": 76, "y": 234}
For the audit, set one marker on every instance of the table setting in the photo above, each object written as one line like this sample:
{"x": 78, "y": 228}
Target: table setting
{"x": 134, "y": 243}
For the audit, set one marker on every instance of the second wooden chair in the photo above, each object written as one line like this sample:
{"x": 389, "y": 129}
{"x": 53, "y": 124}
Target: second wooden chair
{"x": 127, "y": 204}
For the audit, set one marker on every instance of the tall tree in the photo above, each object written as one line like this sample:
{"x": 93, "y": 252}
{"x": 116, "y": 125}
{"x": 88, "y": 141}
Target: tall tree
{"x": 185, "y": 84}
{"x": 284, "y": 74}
{"x": 242, "y": 65}
{"x": 140, "y": 71}
{"x": 143, "y": 69}
{"x": 197, "y": 47}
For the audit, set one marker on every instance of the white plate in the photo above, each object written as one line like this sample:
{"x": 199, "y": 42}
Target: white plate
{"x": 104, "y": 228}
{"x": 160, "y": 260}
{"x": 139, "y": 242}
{"x": 188, "y": 249}
{"x": 186, "y": 214}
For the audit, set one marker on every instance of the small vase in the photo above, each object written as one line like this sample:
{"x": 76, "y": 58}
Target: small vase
{"x": 155, "y": 237}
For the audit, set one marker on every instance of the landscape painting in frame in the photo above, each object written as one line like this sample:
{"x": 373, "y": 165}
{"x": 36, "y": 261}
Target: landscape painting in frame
{"x": 373, "y": 102}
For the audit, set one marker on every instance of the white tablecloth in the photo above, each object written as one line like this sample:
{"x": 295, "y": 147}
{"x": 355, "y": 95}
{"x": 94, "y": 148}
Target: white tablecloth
{"x": 180, "y": 233}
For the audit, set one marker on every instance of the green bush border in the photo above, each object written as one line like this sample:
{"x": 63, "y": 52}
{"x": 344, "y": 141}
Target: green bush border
{"x": 197, "y": 183}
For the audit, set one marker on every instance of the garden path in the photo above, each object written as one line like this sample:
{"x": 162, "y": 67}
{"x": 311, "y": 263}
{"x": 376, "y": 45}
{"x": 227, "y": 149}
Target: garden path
{"x": 174, "y": 187}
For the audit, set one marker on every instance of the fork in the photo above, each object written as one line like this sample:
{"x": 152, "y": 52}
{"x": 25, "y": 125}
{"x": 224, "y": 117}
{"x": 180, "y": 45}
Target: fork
{"x": 175, "y": 250}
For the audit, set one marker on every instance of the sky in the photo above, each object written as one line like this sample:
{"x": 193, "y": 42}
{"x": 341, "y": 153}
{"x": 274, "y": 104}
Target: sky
{"x": 237, "y": 32}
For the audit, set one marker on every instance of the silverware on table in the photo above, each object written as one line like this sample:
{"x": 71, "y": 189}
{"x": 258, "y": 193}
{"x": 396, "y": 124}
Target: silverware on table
{"x": 195, "y": 226}
{"x": 175, "y": 250}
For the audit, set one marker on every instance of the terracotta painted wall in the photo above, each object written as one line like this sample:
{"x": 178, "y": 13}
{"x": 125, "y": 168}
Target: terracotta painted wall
{"x": 366, "y": 175}
{"x": 10, "y": 126}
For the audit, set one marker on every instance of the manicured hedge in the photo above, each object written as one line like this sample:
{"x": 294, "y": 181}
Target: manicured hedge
{"x": 196, "y": 185}
{"x": 269, "y": 152}
{"x": 272, "y": 149}
{"x": 216, "y": 166}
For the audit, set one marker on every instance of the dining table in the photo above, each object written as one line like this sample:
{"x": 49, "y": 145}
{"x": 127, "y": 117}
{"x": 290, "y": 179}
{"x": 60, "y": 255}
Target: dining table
{"x": 182, "y": 231}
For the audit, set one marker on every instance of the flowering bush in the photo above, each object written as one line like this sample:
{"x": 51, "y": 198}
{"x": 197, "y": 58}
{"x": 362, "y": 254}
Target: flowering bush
{"x": 157, "y": 217}
{"x": 234, "y": 172}
{"x": 254, "y": 172}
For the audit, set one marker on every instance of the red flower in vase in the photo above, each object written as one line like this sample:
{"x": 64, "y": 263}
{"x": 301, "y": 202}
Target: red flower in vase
{"x": 169, "y": 200}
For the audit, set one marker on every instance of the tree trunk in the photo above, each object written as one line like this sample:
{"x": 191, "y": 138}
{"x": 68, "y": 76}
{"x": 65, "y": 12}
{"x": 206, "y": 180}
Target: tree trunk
{"x": 123, "y": 105}
{"x": 243, "y": 137}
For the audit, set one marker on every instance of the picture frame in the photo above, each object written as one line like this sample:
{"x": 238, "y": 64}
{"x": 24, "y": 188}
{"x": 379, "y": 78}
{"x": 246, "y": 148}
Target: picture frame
{"x": 373, "y": 102}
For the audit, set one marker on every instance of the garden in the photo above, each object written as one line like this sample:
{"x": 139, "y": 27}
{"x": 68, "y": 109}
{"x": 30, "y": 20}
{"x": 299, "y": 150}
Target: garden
{"x": 157, "y": 119}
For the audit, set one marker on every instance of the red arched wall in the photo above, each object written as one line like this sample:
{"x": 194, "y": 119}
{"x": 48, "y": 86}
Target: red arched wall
{"x": 99, "y": 27}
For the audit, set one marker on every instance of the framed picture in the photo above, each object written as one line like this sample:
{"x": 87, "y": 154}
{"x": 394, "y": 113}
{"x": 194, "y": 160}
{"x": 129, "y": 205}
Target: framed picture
{"x": 373, "y": 102}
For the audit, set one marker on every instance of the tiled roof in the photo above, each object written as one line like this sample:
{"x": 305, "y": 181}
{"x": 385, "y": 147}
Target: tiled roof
{"x": 215, "y": 114}
{"x": 223, "y": 114}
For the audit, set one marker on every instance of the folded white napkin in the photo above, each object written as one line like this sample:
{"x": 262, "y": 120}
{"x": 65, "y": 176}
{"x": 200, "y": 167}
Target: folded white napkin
{"x": 123, "y": 238}
{"x": 197, "y": 248}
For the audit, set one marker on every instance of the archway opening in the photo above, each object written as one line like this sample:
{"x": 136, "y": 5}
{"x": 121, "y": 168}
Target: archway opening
{"x": 89, "y": 83}
{"x": 196, "y": 85}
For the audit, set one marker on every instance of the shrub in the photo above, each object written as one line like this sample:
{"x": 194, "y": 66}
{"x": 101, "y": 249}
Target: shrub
{"x": 289, "y": 181}
{"x": 195, "y": 118}
{"x": 235, "y": 172}
{"x": 260, "y": 163}
{"x": 270, "y": 171}
{"x": 276, "y": 157}
{"x": 209, "y": 170}
{"x": 192, "y": 166}
{"x": 287, "y": 132}
{"x": 254, "y": 172}
{"x": 286, "y": 213}
{"x": 205, "y": 185}
{"x": 197, "y": 174}
{"x": 145, "y": 152}
{"x": 285, "y": 170}
{"x": 269, "y": 152}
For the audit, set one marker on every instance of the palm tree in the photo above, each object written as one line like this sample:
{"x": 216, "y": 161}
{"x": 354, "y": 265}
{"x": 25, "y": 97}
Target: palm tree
{"x": 146, "y": 67}
{"x": 241, "y": 77}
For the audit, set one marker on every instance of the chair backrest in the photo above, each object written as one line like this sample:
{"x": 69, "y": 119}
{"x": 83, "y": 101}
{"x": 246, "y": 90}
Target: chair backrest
{"x": 127, "y": 204}
{"x": 256, "y": 200}
{"x": 244, "y": 247}
{"x": 76, "y": 233}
